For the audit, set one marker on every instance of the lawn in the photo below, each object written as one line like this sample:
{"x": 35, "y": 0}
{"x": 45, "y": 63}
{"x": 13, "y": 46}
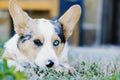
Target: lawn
{"x": 84, "y": 70}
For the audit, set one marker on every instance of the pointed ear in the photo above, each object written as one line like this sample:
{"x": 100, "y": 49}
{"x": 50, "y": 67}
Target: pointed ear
{"x": 69, "y": 19}
{"x": 19, "y": 17}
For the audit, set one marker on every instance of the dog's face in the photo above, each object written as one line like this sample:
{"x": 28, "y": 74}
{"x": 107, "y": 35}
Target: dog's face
{"x": 42, "y": 40}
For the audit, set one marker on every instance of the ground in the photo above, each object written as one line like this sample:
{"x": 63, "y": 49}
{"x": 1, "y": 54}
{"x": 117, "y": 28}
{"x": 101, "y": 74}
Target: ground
{"x": 90, "y": 63}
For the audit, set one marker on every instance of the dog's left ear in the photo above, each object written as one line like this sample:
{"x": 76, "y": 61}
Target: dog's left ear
{"x": 69, "y": 19}
{"x": 19, "y": 17}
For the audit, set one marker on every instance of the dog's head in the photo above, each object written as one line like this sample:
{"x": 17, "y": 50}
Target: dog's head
{"x": 42, "y": 40}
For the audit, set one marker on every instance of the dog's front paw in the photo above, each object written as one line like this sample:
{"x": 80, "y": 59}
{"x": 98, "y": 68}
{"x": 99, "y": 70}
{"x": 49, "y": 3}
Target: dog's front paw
{"x": 71, "y": 70}
{"x": 65, "y": 69}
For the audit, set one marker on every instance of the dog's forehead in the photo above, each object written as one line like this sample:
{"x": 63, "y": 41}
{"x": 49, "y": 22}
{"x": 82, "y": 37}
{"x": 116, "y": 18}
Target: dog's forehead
{"x": 44, "y": 27}
{"x": 49, "y": 29}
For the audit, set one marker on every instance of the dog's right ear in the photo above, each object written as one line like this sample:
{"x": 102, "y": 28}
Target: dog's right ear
{"x": 19, "y": 17}
{"x": 69, "y": 19}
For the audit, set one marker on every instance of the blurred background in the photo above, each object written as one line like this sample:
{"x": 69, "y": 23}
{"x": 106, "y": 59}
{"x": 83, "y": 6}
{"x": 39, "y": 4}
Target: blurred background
{"x": 99, "y": 23}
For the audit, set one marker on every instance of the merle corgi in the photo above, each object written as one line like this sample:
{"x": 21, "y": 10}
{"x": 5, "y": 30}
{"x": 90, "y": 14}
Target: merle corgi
{"x": 41, "y": 42}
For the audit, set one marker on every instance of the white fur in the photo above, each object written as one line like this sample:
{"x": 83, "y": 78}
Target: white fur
{"x": 47, "y": 52}
{"x": 11, "y": 50}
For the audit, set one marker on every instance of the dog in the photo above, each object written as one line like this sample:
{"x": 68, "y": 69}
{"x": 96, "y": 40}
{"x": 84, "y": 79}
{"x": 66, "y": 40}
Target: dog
{"x": 41, "y": 42}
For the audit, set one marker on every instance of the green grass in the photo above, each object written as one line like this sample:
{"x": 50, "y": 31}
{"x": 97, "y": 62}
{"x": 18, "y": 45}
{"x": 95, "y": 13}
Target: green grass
{"x": 9, "y": 73}
{"x": 84, "y": 71}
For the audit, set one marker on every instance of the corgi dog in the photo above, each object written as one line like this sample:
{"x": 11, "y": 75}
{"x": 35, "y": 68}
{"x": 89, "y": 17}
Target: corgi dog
{"x": 41, "y": 42}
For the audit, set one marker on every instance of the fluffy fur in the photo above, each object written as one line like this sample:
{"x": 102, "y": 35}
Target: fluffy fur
{"x": 38, "y": 41}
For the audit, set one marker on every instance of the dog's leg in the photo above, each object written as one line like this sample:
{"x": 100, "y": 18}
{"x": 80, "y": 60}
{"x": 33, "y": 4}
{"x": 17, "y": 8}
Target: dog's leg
{"x": 12, "y": 62}
{"x": 66, "y": 67}
{"x": 64, "y": 63}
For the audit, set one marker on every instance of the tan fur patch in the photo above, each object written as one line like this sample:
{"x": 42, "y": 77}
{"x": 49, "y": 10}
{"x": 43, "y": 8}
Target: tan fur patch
{"x": 58, "y": 49}
{"x": 29, "y": 49}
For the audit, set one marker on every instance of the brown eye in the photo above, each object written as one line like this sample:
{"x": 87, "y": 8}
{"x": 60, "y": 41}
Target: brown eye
{"x": 56, "y": 43}
{"x": 37, "y": 42}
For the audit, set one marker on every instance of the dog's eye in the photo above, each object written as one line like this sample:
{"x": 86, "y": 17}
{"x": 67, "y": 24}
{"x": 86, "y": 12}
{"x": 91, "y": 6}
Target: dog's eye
{"x": 56, "y": 43}
{"x": 37, "y": 42}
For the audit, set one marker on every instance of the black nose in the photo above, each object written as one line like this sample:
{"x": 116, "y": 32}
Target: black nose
{"x": 50, "y": 64}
